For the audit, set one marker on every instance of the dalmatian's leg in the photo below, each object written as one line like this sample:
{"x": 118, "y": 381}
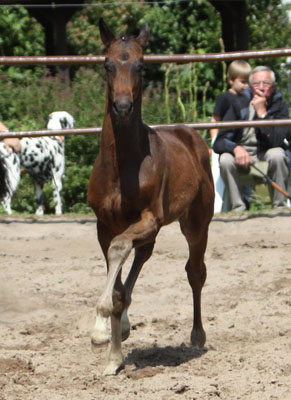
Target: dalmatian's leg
{"x": 6, "y": 203}
{"x": 39, "y": 198}
{"x": 13, "y": 177}
{"x": 57, "y": 188}
{"x": 58, "y": 172}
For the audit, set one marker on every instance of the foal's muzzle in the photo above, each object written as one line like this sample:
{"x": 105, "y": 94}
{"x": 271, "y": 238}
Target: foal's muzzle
{"x": 123, "y": 108}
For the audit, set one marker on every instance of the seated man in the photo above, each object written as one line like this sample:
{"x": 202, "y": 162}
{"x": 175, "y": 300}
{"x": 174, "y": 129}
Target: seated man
{"x": 239, "y": 148}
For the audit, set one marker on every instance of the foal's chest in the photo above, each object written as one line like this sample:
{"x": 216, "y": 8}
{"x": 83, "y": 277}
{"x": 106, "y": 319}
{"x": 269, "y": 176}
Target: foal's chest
{"x": 117, "y": 211}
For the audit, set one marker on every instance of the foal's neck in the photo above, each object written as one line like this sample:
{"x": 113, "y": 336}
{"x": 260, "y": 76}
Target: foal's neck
{"x": 128, "y": 138}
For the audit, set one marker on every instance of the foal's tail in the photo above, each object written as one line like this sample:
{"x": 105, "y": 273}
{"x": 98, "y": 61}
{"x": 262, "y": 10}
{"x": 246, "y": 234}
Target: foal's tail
{"x": 4, "y": 182}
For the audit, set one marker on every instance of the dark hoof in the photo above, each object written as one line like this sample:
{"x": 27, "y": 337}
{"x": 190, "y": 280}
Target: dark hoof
{"x": 125, "y": 335}
{"x": 198, "y": 338}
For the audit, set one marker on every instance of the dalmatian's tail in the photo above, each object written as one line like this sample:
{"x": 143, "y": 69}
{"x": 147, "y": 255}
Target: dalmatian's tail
{"x": 4, "y": 183}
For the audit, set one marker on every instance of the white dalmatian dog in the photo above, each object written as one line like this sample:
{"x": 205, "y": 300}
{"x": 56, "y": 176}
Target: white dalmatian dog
{"x": 42, "y": 158}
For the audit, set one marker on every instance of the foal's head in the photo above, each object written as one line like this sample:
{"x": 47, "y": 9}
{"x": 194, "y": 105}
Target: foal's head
{"x": 123, "y": 64}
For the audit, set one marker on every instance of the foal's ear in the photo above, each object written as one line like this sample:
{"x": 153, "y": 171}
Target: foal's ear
{"x": 144, "y": 35}
{"x": 106, "y": 34}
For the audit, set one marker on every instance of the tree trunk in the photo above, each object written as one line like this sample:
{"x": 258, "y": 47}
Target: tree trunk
{"x": 54, "y": 21}
{"x": 234, "y": 25}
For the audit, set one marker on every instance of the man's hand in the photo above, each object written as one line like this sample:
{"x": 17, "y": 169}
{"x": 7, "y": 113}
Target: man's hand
{"x": 13, "y": 143}
{"x": 242, "y": 157}
{"x": 10, "y": 143}
{"x": 260, "y": 102}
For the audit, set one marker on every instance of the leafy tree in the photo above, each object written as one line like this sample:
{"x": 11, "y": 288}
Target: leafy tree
{"x": 270, "y": 28}
{"x": 20, "y": 36}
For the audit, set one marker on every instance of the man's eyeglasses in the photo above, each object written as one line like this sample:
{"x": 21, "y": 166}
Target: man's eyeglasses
{"x": 265, "y": 83}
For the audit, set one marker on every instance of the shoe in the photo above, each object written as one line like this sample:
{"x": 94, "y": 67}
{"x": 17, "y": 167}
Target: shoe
{"x": 239, "y": 209}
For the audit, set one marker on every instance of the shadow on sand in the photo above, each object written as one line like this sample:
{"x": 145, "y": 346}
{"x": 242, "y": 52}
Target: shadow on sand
{"x": 168, "y": 356}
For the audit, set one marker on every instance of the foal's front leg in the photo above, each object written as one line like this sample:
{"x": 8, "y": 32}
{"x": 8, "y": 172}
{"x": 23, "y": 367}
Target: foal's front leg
{"x": 117, "y": 254}
{"x": 100, "y": 334}
{"x": 112, "y": 300}
{"x": 111, "y": 304}
{"x": 114, "y": 304}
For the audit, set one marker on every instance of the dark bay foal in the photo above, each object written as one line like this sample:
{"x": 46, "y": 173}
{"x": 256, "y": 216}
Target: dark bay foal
{"x": 143, "y": 179}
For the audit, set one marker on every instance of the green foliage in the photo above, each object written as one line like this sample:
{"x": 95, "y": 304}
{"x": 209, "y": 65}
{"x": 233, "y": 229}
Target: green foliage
{"x": 87, "y": 98}
{"x": 26, "y": 37}
{"x": 24, "y": 200}
{"x": 269, "y": 28}
{"x": 83, "y": 29}
{"x": 75, "y": 187}
{"x": 26, "y": 102}
{"x": 21, "y": 35}
{"x": 268, "y": 23}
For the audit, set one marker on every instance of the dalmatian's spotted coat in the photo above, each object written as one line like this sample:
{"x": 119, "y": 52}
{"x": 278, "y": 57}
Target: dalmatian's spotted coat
{"x": 43, "y": 158}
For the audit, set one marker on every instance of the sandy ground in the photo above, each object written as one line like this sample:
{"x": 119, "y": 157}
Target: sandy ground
{"x": 52, "y": 273}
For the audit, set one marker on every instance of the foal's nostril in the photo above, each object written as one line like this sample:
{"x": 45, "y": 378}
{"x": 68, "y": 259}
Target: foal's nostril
{"x": 122, "y": 107}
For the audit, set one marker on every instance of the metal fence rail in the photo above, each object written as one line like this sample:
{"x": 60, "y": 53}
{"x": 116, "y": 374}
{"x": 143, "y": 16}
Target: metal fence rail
{"x": 97, "y": 130}
{"x": 148, "y": 58}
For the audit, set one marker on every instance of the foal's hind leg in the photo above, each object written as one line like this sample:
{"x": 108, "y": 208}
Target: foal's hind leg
{"x": 196, "y": 272}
